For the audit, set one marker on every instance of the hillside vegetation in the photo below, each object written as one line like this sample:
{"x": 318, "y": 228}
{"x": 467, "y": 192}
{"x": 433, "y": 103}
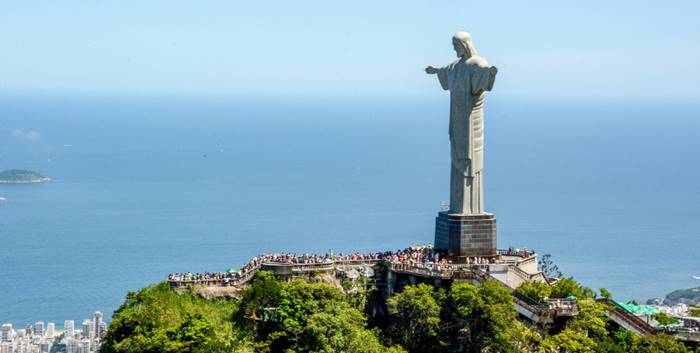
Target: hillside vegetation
{"x": 299, "y": 316}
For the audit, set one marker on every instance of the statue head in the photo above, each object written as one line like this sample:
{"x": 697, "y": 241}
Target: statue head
{"x": 462, "y": 42}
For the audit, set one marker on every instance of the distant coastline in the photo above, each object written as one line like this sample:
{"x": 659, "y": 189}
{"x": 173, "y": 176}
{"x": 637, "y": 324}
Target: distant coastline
{"x": 20, "y": 176}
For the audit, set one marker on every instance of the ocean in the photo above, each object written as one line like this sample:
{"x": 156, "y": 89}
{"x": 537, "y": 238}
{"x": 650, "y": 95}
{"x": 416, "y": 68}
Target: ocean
{"x": 142, "y": 187}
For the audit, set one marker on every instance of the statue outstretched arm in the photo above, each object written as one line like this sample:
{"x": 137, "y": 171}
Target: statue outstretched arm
{"x": 492, "y": 76}
{"x": 442, "y": 76}
{"x": 483, "y": 79}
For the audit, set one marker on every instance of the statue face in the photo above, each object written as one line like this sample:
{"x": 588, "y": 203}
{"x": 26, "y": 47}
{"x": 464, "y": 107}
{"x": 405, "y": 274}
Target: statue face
{"x": 459, "y": 48}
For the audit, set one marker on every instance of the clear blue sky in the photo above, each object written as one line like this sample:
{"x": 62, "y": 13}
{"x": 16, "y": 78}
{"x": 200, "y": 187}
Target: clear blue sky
{"x": 349, "y": 48}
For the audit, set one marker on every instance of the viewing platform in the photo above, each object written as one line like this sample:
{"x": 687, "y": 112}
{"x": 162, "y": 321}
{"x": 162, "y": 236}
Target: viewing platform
{"x": 544, "y": 312}
{"x": 523, "y": 266}
{"x": 509, "y": 268}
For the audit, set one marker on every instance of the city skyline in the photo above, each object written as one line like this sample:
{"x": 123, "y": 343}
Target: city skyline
{"x": 32, "y": 338}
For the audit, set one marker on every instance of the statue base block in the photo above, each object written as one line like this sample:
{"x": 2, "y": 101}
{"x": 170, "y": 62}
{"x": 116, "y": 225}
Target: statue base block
{"x": 466, "y": 235}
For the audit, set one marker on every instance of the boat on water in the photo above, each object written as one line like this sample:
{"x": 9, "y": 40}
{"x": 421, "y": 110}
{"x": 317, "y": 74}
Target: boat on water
{"x": 2, "y": 199}
{"x": 696, "y": 277}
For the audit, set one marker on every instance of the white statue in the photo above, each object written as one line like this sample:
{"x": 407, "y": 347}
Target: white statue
{"x": 467, "y": 78}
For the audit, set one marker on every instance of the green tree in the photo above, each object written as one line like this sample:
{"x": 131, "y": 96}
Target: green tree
{"x": 567, "y": 287}
{"x": 195, "y": 334}
{"x": 664, "y": 319}
{"x": 605, "y": 293}
{"x": 317, "y": 317}
{"x": 264, "y": 292}
{"x": 290, "y": 317}
{"x": 587, "y": 331}
{"x": 623, "y": 339}
{"x": 535, "y": 290}
{"x": 568, "y": 341}
{"x": 609, "y": 345}
{"x": 415, "y": 318}
{"x": 483, "y": 318}
{"x": 591, "y": 319}
{"x": 548, "y": 267}
{"x": 299, "y": 300}
{"x": 339, "y": 329}
{"x": 657, "y": 344}
{"x": 258, "y": 301}
{"x": 157, "y": 319}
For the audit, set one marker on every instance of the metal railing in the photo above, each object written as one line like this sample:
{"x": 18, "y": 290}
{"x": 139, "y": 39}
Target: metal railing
{"x": 248, "y": 275}
{"x": 443, "y": 271}
{"x": 562, "y": 307}
{"x": 429, "y": 270}
{"x": 320, "y": 267}
{"x": 548, "y": 307}
{"x": 222, "y": 282}
{"x": 521, "y": 253}
{"x": 358, "y": 262}
{"x": 685, "y": 334}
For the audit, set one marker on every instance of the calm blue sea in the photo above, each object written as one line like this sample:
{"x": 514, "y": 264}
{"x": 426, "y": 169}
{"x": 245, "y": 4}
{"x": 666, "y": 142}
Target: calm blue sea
{"x": 146, "y": 186}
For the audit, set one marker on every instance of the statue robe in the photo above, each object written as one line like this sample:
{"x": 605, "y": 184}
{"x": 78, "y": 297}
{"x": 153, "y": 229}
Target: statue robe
{"x": 467, "y": 80}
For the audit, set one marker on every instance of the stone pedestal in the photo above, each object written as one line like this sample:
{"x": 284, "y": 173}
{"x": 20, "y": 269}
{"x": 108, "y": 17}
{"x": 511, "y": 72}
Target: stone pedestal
{"x": 466, "y": 235}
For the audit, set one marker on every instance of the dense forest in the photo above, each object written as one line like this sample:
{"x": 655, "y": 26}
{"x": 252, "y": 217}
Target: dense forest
{"x": 304, "y": 316}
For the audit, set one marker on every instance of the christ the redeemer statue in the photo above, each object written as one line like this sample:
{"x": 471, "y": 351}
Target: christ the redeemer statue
{"x": 467, "y": 78}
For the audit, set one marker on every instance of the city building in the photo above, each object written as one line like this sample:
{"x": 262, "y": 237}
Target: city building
{"x": 6, "y": 333}
{"x": 69, "y": 328}
{"x": 84, "y": 346}
{"x": 45, "y": 346}
{"x": 40, "y": 338}
{"x": 88, "y": 330}
{"x": 50, "y": 330}
{"x": 39, "y": 328}
{"x": 99, "y": 324}
{"x": 6, "y": 347}
{"x": 71, "y": 345}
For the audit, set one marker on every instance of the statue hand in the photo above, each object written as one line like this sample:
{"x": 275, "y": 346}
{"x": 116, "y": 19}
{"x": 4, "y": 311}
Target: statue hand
{"x": 431, "y": 70}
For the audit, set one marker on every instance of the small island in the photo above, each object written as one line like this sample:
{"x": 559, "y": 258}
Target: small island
{"x": 21, "y": 176}
{"x": 690, "y": 296}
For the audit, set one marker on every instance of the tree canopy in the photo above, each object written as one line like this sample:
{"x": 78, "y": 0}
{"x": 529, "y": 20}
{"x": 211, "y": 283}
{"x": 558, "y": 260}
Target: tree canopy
{"x": 300, "y": 316}
{"x": 535, "y": 290}
{"x": 156, "y": 319}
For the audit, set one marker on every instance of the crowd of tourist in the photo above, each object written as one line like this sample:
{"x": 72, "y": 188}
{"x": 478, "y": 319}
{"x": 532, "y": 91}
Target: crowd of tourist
{"x": 562, "y": 305}
{"x": 215, "y": 278}
{"x": 524, "y": 253}
{"x": 416, "y": 258}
